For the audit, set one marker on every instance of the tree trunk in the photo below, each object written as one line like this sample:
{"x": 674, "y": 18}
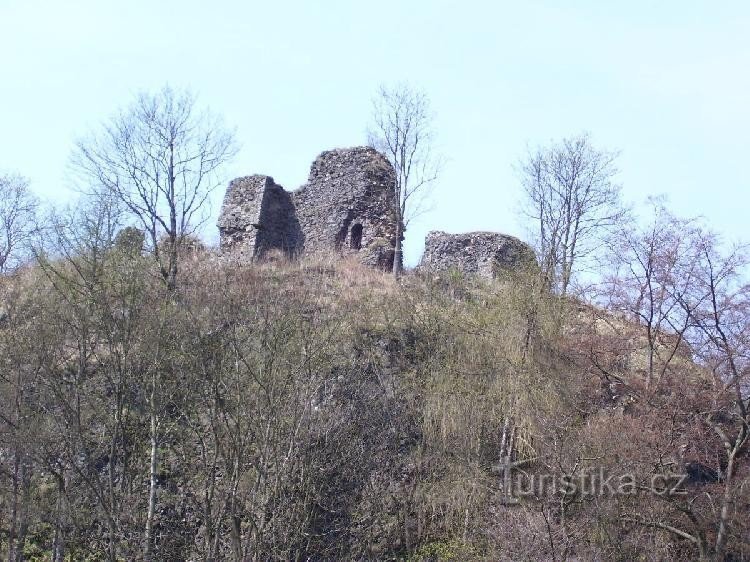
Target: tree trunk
{"x": 173, "y": 234}
{"x": 236, "y": 537}
{"x": 111, "y": 485}
{"x": 148, "y": 542}
{"x": 14, "y": 509}
{"x": 23, "y": 523}
{"x": 726, "y": 501}
{"x": 398, "y": 262}
{"x": 58, "y": 544}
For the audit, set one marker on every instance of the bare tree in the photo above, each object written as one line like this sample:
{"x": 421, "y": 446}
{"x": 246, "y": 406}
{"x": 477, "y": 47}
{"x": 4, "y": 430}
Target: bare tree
{"x": 688, "y": 292}
{"x": 161, "y": 157}
{"x": 710, "y": 518}
{"x": 657, "y": 270}
{"x": 75, "y": 256}
{"x": 17, "y": 211}
{"x": 722, "y": 321}
{"x": 570, "y": 194}
{"x": 402, "y": 130}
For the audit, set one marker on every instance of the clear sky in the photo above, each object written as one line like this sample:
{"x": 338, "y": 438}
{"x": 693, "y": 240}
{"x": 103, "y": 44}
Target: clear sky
{"x": 666, "y": 82}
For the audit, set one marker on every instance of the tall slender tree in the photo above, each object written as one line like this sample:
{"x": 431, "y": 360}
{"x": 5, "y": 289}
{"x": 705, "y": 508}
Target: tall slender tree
{"x": 161, "y": 157}
{"x": 571, "y": 195}
{"x": 402, "y": 129}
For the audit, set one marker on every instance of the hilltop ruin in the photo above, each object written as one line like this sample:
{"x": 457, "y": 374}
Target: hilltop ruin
{"x": 346, "y": 205}
{"x": 486, "y": 254}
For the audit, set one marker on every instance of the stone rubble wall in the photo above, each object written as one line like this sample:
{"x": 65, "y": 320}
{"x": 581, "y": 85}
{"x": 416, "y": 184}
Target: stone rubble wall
{"x": 346, "y": 205}
{"x": 239, "y": 220}
{"x": 346, "y": 188}
{"x": 486, "y": 254}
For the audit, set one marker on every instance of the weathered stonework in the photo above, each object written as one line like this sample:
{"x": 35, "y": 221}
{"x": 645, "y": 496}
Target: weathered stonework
{"x": 486, "y": 254}
{"x": 346, "y": 205}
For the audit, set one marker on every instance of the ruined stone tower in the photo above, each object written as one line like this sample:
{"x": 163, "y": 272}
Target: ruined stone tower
{"x": 486, "y": 254}
{"x": 346, "y": 206}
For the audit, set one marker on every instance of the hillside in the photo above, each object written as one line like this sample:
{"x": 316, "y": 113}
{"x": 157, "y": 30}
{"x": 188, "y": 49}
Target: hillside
{"x": 320, "y": 410}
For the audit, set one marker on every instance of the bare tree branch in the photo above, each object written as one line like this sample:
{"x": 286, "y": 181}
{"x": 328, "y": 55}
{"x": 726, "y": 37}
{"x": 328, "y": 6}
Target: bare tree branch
{"x": 161, "y": 157}
{"x": 571, "y": 196}
{"x": 18, "y": 209}
{"x": 402, "y": 130}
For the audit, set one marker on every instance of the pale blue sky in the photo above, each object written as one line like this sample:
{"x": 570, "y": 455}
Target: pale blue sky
{"x": 666, "y": 82}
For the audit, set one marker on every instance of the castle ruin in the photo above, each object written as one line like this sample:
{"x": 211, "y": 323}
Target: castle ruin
{"x": 485, "y": 254}
{"x": 346, "y": 206}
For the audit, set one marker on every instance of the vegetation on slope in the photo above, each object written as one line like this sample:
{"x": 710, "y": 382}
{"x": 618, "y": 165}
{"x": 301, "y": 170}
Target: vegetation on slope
{"x": 310, "y": 410}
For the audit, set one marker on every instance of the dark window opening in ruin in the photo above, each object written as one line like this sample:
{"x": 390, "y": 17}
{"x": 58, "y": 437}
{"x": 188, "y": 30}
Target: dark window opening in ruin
{"x": 356, "y": 237}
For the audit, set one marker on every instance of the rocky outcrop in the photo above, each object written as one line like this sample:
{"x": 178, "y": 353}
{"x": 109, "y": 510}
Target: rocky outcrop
{"x": 486, "y": 254}
{"x": 346, "y": 206}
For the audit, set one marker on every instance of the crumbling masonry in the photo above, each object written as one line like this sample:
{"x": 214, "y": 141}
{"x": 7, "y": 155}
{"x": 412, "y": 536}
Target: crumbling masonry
{"x": 485, "y": 254}
{"x": 346, "y": 205}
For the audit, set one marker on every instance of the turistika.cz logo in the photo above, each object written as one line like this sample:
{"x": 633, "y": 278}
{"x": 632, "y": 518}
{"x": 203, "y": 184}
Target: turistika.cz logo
{"x": 593, "y": 482}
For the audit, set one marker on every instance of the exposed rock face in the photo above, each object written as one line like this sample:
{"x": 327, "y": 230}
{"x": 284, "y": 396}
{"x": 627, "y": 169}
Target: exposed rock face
{"x": 346, "y": 205}
{"x": 486, "y": 254}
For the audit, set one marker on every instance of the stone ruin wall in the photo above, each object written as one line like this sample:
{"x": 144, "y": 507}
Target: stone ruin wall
{"x": 346, "y": 205}
{"x": 486, "y": 254}
{"x": 257, "y": 215}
